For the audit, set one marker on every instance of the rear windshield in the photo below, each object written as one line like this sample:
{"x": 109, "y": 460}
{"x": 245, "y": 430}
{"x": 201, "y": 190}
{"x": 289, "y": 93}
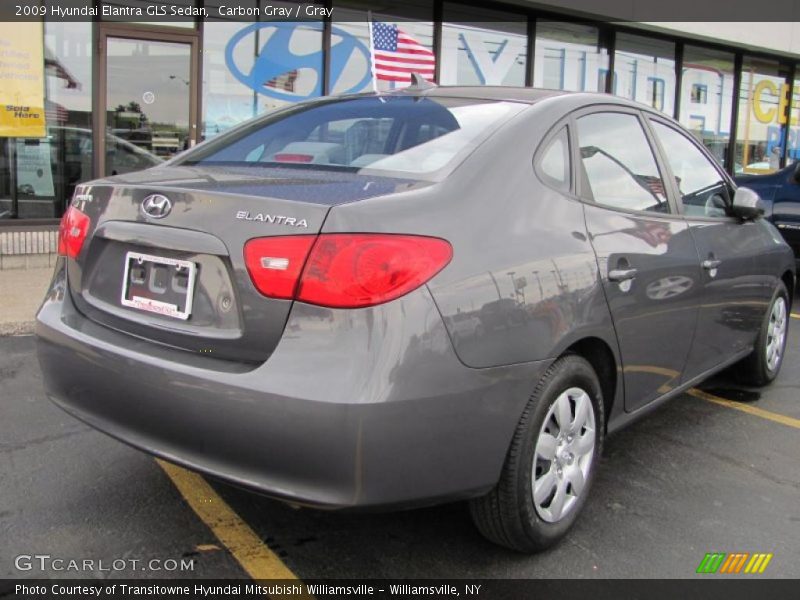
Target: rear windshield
{"x": 394, "y": 135}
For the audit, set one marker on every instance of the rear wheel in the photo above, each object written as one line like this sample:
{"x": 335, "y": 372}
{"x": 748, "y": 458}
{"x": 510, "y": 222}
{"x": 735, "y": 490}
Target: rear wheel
{"x": 550, "y": 464}
{"x": 764, "y": 364}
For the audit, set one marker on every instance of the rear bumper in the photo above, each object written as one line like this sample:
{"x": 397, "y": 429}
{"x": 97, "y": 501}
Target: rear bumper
{"x": 365, "y": 408}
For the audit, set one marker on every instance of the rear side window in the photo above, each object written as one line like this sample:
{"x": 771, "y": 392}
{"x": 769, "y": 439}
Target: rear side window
{"x": 703, "y": 190}
{"x": 619, "y": 164}
{"x": 401, "y": 135}
{"x": 554, "y": 164}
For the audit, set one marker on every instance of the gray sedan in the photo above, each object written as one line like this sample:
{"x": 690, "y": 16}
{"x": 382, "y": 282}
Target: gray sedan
{"x": 414, "y": 297}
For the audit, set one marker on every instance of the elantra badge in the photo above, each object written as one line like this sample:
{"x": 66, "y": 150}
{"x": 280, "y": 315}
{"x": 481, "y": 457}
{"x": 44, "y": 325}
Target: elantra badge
{"x": 244, "y": 215}
{"x": 156, "y": 206}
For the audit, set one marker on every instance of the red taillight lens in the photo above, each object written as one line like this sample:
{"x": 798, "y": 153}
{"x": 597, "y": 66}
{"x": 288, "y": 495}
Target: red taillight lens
{"x": 362, "y": 269}
{"x": 72, "y": 232}
{"x": 344, "y": 270}
{"x": 289, "y": 157}
{"x": 275, "y": 263}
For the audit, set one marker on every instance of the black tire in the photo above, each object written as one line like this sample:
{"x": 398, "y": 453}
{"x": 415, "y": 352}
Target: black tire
{"x": 507, "y": 515}
{"x": 754, "y": 370}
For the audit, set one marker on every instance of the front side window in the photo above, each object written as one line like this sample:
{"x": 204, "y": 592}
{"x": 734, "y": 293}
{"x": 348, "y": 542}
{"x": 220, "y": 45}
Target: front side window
{"x": 703, "y": 190}
{"x": 403, "y": 135}
{"x": 619, "y": 164}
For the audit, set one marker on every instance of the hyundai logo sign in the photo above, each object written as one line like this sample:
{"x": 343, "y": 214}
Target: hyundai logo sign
{"x": 156, "y": 206}
{"x": 276, "y": 57}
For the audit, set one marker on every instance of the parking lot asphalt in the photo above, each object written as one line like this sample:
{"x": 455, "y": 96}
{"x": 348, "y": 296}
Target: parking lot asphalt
{"x": 696, "y": 476}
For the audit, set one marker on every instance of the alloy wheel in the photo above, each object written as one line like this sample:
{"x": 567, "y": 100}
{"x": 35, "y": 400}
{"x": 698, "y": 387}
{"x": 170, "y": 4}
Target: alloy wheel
{"x": 776, "y": 333}
{"x": 563, "y": 455}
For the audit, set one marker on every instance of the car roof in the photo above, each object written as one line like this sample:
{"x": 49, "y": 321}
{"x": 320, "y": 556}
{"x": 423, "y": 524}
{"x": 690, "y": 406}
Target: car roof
{"x": 491, "y": 92}
{"x": 527, "y": 95}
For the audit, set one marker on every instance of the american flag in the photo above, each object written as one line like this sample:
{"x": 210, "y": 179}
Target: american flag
{"x": 55, "y": 113}
{"x": 397, "y": 55}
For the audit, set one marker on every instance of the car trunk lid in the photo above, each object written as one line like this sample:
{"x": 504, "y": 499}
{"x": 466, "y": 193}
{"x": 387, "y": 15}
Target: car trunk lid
{"x": 177, "y": 275}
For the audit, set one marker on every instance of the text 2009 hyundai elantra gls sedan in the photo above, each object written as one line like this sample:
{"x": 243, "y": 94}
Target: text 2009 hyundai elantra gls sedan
{"x": 416, "y": 297}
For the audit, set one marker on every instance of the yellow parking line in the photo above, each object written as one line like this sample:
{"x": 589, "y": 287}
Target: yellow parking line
{"x": 236, "y": 535}
{"x": 751, "y": 410}
{"x": 795, "y": 315}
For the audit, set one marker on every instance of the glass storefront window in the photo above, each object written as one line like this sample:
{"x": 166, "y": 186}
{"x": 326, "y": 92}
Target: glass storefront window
{"x": 644, "y": 71}
{"x": 6, "y": 206}
{"x": 289, "y": 60}
{"x": 483, "y": 47}
{"x": 762, "y": 116}
{"x": 49, "y": 168}
{"x": 707, "y": 98}
{"x": 793, "y": 153}
{"x": 569, "y": 57}
{"x": 250, "y": 68}
{"x": 226, "y": 100}
{"x": 121, "y": 10}
{"x": 351, "y": 68}
{"x": 148, "y": 87}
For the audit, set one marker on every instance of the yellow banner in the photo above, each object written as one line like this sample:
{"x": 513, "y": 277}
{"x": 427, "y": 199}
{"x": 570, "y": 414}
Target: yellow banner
{"x": 21, "y": 80}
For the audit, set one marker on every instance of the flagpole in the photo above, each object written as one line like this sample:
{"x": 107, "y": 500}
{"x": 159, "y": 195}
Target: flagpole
{"x": 372, "y": 52}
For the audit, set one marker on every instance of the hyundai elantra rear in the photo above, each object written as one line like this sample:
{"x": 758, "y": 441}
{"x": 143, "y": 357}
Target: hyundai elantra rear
{"x": 398, "y": 299}
{"x": 259, "y": 308}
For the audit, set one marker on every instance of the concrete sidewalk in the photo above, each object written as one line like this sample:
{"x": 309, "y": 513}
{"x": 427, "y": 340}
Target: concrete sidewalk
{"x": 21, "y": 293}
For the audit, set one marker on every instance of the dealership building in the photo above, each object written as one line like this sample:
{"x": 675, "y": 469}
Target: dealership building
{"x": 123, "y": 92}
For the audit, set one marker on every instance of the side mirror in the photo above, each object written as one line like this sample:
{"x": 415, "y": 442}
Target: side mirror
{"x": 796, "y": 172}
{"x": 747, "y": 204}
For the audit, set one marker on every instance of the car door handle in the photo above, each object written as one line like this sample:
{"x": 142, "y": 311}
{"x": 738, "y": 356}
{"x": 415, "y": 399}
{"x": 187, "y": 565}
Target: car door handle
{"x": 621, "y": 274}
{"x": 711, "y": 263}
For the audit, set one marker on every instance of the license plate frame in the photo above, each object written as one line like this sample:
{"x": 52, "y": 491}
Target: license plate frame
{"x": 152, "y": 305}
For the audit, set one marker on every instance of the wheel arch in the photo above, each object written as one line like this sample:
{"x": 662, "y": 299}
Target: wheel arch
{"x": 599, "y": 354}
{"x": 788, "y": 280}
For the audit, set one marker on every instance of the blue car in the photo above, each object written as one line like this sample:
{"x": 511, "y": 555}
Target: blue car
{"x": 780, "y": 193}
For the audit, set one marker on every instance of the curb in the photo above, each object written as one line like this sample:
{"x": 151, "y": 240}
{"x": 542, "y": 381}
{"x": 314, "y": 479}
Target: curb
{"x": 17, "y": 328}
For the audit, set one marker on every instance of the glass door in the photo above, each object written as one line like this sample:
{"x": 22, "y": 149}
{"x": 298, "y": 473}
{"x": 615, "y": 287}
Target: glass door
{"x": 149, "y": 99}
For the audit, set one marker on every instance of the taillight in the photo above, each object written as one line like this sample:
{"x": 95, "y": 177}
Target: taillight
{"x": 275, "y": 263}
{"x": 344, "y": 270}
{"x": 72, "y": 232}
{"x": 349, "y": 270}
